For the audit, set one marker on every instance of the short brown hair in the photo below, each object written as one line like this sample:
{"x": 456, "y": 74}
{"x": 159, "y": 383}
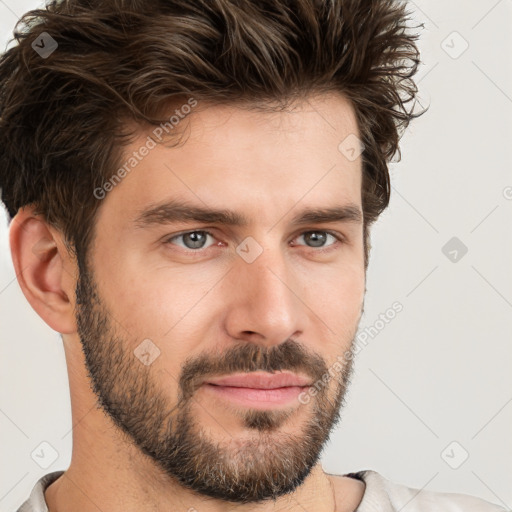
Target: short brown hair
{"x": 62, "y": 116}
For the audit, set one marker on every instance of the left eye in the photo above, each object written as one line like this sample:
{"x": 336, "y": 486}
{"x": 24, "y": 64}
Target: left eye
{"x": 318, "y": 238}
{"x": 197, "y": 239}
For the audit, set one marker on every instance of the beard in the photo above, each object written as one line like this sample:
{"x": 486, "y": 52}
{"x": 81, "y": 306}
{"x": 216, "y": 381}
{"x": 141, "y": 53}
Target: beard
{"x": 265, "y": 465}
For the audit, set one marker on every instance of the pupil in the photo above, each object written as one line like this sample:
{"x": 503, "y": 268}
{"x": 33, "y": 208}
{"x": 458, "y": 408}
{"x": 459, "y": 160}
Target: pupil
{"x": 197, "y": 239}
{"x": 317, "y": 238}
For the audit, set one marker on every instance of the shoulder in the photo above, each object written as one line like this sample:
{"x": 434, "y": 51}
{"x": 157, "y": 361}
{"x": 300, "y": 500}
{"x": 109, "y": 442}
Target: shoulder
{"x": 387, "y": 496}
{"x": 36, "y": 501}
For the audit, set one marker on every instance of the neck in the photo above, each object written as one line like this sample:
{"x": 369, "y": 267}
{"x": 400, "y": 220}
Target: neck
{"x": 106, "y": 486}
{"x": 108, "y": 472}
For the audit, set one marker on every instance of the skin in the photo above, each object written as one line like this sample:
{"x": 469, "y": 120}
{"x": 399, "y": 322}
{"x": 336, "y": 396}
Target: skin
{"x": 209, "y": 306}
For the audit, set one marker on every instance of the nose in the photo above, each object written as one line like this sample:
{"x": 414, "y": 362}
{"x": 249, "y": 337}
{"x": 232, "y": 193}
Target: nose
{"x": 265, "y": 305}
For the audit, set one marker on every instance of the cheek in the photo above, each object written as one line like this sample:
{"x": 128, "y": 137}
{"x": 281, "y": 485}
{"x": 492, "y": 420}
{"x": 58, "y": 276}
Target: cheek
{"x": 161, "y": 304}
{"x": 336, "y": 292}
{"x": 336, "y": 307}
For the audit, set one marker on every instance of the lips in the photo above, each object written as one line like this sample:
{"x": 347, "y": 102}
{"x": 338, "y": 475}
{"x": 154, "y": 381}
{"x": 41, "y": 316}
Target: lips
{"x": 261, "y": 380}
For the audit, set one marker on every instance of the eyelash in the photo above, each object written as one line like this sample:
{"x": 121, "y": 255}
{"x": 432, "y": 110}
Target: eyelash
{"x": 329, "y": 248}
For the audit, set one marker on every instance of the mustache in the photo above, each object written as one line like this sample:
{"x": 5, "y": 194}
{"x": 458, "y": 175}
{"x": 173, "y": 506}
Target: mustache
{"x": 289, "y": 355}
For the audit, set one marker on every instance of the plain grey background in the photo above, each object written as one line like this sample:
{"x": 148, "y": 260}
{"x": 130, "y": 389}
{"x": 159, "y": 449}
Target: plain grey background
{"x": 430, "y": 405}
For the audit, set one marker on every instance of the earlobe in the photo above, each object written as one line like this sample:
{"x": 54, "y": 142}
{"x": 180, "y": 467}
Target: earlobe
{"x": 44, "y": 270}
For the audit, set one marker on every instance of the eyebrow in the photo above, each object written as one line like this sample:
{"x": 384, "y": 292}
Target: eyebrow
{"x": 180, "y": 211}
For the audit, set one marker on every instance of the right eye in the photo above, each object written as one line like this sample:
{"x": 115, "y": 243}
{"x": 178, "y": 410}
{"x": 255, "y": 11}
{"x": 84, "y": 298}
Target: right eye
{"x": 192, "y": 240}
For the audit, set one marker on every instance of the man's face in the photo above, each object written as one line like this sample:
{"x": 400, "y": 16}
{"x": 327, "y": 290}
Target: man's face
{"x": 169, "y": 303}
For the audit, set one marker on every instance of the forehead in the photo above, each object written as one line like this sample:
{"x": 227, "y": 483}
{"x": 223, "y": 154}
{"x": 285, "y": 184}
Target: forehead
{"x": 254, "y": 161}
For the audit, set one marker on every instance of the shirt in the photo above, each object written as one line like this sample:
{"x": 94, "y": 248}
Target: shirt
{"x": 381, "y": 495}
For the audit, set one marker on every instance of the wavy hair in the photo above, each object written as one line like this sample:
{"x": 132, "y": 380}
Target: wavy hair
{"x": 63, "y": 117}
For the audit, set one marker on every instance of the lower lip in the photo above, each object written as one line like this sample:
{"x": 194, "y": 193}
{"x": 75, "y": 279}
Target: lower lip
{"x": 257, "y": 398}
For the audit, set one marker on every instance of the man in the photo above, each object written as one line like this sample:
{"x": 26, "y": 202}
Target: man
{"x": 191, "y": 186}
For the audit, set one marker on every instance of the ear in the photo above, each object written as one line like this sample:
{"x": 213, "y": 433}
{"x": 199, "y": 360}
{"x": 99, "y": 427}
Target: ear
{"x": 45, "y": 271}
